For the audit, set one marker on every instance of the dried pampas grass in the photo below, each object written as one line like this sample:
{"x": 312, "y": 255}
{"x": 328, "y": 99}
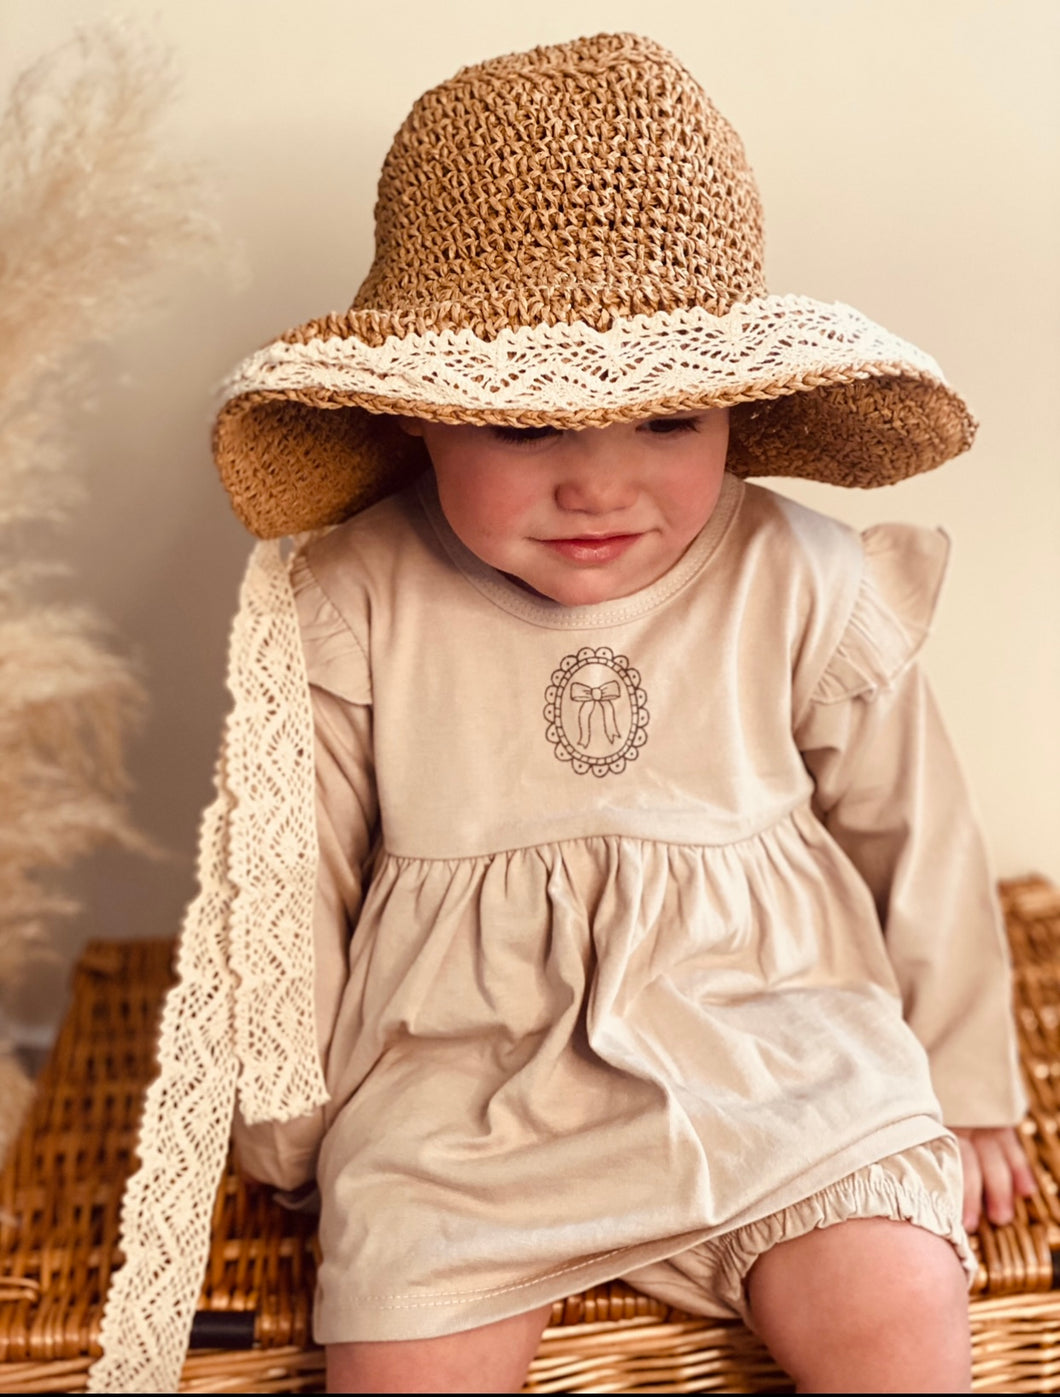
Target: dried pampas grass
{"x": 91, "y": 207}
{"x": 91, "y": 210}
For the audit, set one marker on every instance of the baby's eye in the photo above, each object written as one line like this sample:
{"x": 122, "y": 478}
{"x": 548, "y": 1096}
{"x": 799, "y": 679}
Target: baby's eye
{"x": 667, "y": 426}
{"x": 523, "y": 436}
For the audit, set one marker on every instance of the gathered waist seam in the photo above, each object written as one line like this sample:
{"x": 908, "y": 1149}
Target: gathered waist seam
{"x": 802, "y": 805}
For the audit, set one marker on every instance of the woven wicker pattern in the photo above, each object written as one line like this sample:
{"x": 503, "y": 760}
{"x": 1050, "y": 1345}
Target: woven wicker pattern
{"x": 59, "y": 1214}
{"x": 590, "y": 195}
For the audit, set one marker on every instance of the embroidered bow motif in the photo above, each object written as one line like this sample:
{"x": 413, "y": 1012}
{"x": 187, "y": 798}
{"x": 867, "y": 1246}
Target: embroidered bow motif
{"x": 590, "y": 700}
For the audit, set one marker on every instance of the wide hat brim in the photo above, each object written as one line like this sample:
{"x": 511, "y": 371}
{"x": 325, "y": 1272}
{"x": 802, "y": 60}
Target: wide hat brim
{"x": 307, "y": 432}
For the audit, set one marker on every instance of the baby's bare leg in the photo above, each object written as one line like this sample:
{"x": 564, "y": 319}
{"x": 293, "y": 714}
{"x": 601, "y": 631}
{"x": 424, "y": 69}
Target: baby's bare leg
{"x": 493, "y": 1358}
{"x": 868, "y": 1305}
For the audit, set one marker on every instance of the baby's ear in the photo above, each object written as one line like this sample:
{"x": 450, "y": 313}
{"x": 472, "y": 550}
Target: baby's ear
{"x": 412, "y": 426}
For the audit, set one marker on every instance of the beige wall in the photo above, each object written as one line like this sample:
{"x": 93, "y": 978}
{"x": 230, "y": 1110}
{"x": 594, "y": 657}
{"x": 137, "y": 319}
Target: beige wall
{"x": 907, "y": 152}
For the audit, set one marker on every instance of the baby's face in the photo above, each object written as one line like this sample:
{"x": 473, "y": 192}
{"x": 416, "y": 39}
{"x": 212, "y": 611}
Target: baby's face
{"x": 581, "y": 517}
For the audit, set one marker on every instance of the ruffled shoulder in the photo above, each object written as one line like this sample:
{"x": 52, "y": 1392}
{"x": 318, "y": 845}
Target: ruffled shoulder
{"x": 903, "y": 568}
{"x": 335, "y": 658}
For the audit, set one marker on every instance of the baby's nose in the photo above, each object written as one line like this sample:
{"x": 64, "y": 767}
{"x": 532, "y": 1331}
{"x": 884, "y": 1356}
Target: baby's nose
{"x": 595, "y": 490}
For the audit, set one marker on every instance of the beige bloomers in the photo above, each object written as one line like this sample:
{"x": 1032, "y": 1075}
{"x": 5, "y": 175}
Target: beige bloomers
{"x": 921, "y": 1185}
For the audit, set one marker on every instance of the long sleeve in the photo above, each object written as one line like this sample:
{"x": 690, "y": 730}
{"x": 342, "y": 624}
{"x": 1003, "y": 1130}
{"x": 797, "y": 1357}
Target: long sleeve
{"x": 284, "y": 1153}
{"x": 891, "y": 793}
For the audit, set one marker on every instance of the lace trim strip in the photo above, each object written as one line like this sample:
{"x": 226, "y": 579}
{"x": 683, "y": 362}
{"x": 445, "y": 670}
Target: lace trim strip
{"x": 241, "y": 1014}
{"x": 764, "y": 348}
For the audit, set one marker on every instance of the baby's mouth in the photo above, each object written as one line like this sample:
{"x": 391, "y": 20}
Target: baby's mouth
{"x": 598, "y": 548}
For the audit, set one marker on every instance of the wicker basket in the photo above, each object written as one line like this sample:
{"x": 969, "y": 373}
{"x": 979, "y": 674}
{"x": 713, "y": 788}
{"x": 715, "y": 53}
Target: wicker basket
{"x": 60, "y": 1192}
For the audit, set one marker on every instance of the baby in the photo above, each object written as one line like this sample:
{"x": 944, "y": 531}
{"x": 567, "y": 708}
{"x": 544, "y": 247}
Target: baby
{"x": 649, "y": 931}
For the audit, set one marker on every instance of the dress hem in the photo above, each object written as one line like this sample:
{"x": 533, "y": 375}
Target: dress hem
{"x": 405, "y": 1316}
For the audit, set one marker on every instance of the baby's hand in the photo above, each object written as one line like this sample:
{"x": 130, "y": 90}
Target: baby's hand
{"x": 995, "y": 1168}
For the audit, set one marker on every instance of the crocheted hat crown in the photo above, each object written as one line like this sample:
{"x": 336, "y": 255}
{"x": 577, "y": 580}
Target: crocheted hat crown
{"x": 582, "y": 182}
{"x": 571, "y": 237}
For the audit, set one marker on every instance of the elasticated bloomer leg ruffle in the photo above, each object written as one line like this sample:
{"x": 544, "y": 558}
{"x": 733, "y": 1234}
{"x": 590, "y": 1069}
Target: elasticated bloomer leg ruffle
{"x": 921, "y": 1185}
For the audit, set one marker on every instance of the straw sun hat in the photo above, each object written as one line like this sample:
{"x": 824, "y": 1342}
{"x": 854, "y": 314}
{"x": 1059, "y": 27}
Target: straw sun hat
{"x": 571, "y": 237}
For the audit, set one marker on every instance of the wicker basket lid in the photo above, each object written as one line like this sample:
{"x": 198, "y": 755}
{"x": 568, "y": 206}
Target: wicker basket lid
{"x": 571, "y": 237}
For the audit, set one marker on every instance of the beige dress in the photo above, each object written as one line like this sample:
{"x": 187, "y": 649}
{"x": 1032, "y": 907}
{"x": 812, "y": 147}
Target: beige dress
{"x": 669, "y": 911}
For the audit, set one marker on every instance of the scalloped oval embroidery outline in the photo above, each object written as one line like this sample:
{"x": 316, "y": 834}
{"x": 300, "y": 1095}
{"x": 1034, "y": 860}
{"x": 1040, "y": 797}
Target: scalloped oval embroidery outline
{"x": 596, "y": 714}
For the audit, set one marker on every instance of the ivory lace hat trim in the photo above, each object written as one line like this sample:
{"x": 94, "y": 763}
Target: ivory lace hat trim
{"x": 571, "y": 237}
{"x": 570, "y": 372}
{"x": 240, "y": 1018}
